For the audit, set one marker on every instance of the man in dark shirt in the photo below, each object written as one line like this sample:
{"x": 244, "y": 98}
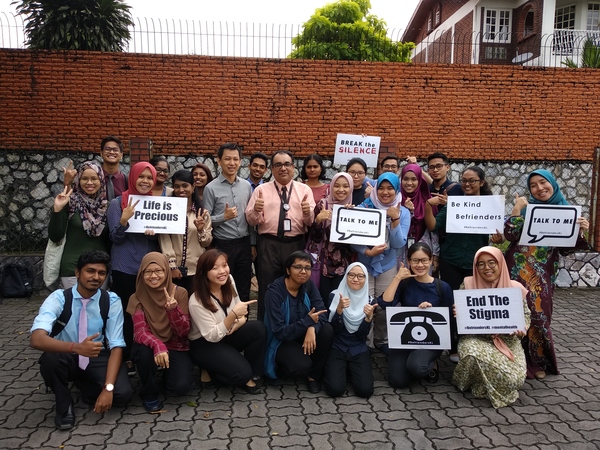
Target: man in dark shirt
{"x": 111, "y": 150}
{"x": 438, "y": 167}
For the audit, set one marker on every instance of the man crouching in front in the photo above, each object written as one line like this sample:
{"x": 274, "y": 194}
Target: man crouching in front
{"x": 80, "y": 331}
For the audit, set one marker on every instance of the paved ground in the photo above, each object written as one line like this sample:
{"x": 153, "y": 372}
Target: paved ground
{"x": 561, "y": 412}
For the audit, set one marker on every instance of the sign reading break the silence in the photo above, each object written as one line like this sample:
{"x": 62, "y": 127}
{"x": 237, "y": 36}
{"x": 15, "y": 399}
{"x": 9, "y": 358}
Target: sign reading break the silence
{"x": 475, "y": 214}
{"x": 551, "y": 226}
{"x": 489, "y": 311}
{"x": 348, "y": 146}
{"x": 163, "y": 215}
{"x": 360, "y": 226}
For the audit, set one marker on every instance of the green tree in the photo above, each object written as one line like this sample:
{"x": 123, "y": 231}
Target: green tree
{"x": 590, "y": 57}
{"x": 100, "y": 25}
{"x": 345, "y": 30}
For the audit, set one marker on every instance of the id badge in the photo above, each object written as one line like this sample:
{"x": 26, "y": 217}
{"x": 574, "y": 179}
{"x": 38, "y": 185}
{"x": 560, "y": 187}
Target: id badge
{"x": 287, "y": 225}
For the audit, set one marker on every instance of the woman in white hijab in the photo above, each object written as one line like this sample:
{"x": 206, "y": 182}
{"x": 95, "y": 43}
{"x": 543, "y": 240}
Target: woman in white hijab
{"x": 350, "y": 315}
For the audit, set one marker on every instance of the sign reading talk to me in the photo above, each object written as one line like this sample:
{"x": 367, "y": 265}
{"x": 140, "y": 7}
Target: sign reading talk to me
{"x": 551, "y": 226}
{"x": 360, "y": 226}
{"x": 163, "y": 215}
{"x": 348, "y": 146}
{"x": 475, "y": 214}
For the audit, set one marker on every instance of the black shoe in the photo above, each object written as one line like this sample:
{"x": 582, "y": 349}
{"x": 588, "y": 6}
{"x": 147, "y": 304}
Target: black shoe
{"x": 152, "y": 405}
{"x": 433, "y": 376}
{"x": 314, "y": 386}
{"x": 253, "y": 389}
{"x": 65, "y": 421}
{"x": 131, "y": 372}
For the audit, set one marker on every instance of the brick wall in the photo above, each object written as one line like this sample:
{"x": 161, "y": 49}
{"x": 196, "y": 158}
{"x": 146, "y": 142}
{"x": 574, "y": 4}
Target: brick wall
{"x": 189, "y": 105}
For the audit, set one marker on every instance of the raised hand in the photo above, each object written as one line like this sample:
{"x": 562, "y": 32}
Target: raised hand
{"x": 323, "y": 215}
{"x": 376, "y": 250}
{"x": 404, "y": 272}
{"x": 438, "y": 199}
{"x": 305, "y": 205}
{"x": 69, "y": 174}
{"x": 393, "y": 212}
{"x": 171, "y": 303}
{"x": 520, "y": 203}
{"x": 230, "y": 213}
{"x": 241, "y": 309}
{"x": 259, "y": 205}
{"x": 128, "y": 212}
{"x": 88, "y": 347}
{"x": 584, "y": 225}
{"x": 411, "y": 159}
{"x": 344, "y": 303}
{"x": 497, "y": 237}
{"x": 369, "y": 310}
{"x": 62, "y": 199}
{"x": 368, "y": 190}
{"x": 408, "y": 204}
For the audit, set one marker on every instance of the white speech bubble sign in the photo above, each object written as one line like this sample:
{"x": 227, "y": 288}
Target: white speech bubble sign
{"x": 360, "y": 226}
{"x": 551, "y": 226}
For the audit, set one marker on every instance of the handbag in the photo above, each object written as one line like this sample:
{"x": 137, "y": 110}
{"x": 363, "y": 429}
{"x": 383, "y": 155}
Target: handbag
{"x": 52, "y": 259}
{"x": 315, "y": 274}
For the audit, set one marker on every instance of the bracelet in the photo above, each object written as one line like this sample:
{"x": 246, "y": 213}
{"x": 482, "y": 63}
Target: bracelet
{"x": 236, "y": 316}
{"x": 71, "y": 349}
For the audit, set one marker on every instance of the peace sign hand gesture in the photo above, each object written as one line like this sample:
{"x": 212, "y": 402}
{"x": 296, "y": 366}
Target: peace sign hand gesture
{"x": 171, "y": 303}
{"x": 62, "y": 199}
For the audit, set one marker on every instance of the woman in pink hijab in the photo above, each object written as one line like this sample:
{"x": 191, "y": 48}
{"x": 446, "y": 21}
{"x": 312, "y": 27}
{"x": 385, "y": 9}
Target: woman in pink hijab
{"x": 492, "y": 366}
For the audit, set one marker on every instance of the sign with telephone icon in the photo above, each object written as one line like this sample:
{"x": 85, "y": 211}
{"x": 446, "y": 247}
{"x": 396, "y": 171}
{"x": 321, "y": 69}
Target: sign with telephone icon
{"x": 415, "y": 328}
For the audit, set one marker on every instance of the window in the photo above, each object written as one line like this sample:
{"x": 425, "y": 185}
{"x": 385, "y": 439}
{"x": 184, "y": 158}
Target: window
{"x": 495, "y": 52}
{"x": 429, "y": 22}
{"x": 564, "y": 22}
{"x": 438, "y": 15}
{"x": 528, "y": 29}
{"x": 497, "y": 26}
{"x": 564, "y": 18}
{"x": 593, "y": 17}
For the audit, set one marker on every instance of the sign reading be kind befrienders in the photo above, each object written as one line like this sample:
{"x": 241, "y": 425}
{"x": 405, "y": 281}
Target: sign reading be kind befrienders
{"x": 475, "y": 214}
{"x": 163, "y": 215}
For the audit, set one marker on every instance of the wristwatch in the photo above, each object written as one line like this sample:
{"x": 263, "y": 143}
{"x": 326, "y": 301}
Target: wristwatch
{"x": 109, "y": 387}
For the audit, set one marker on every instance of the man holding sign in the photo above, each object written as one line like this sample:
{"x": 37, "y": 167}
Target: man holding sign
{"x": 283, "y": 210}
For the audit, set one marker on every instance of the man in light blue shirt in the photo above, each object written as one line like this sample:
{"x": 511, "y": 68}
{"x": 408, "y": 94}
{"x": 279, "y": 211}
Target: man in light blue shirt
{"x": 79, "y": 355}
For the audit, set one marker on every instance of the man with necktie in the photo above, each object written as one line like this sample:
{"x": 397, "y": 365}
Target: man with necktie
{"x": 111, "y": 150}
{"x": 86, "y": 346}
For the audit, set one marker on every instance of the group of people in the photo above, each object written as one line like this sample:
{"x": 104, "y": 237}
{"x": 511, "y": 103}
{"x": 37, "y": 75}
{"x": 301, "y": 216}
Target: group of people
{"x": 179, "y": 301}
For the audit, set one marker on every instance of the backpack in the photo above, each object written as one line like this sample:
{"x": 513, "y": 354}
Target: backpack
{"x": 17, "y": 281}
{"x": 67, "y": 311}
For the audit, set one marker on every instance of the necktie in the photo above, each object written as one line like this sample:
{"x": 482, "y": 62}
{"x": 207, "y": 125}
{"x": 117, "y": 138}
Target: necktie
{"x": 110, "y": 188}
{"x": 280, "y": 230}
{"x": 83, "y": 360}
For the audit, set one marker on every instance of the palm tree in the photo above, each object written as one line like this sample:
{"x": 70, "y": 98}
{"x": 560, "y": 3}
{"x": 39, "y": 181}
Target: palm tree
{"x": 590, "y": 56}
{"x": 100, "y": 25}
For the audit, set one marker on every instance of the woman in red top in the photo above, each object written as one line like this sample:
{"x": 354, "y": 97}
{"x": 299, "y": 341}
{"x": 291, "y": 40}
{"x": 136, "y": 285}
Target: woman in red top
{"x": 161, "y": 323}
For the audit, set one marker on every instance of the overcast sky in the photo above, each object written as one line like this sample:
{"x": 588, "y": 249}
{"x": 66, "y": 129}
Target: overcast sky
{"x": 396, "y": 13}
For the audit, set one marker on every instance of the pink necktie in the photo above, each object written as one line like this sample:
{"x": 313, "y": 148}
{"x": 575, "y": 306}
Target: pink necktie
{"x": 83, "y": 360}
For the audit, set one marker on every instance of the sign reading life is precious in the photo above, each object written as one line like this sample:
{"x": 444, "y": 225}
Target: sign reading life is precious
{"x": 348, "y": 146}
{"x": 475, "y": 214}
{"x": 551, "y": 226}
{"x": 416, "y": 328}
{"x": 489, "y": 311}
{"x": 163, "y": 215}
{"x": 360, "y": 226}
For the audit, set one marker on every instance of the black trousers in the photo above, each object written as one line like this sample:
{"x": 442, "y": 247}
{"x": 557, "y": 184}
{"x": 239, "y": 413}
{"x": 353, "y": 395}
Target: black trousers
{"x": 223, "y": 359}
{"x": 454, "y": 276}
{"x": 270, "y": 265}
{"x": 407, "y": 365}
{"x": 178, "y": 376}
{"x": 239, "y": 259}
{"x": 327, "y": 286}
{"x": 359, "y": 367}
{"x": 290, "y": 355}
{"x": 123, "y": 284}
{"x": 58, "y": 369}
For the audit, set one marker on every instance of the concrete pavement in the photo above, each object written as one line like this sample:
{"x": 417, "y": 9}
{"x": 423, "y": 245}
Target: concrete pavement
{"x": 560, "y": 412}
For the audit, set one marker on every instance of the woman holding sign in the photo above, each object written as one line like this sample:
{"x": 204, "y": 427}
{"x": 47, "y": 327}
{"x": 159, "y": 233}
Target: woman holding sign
{"x": 381, "y": 260}
{"x": 536, "y": 268}
{"x": 333, "y": 256}
{"x": 183, "y": 250}
{"x": 492, "y": 366}
{"x": 161, "y": 324}
{"x": 128, "y": 249}
{"x": 350, "y": 314}
{"x": 414, "y": 286}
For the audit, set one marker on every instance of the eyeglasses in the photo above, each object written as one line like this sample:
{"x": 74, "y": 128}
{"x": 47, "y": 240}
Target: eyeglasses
{"x": 436, "y": 166}
{"x": 278, "y": 166}
{"x": 301, "y": 268}
{"x": 491, "y": 264}
{"x": 354, "y": 173}
{"x": 157, "y": 272}
{"x": 390, "y": 167}
{"x": 356, "y": 276}
{"x": 161, "y": 170}
{"x": 469, "y": 182}
{"x": 414, "y": 262}
{"x": 112, "y": 150}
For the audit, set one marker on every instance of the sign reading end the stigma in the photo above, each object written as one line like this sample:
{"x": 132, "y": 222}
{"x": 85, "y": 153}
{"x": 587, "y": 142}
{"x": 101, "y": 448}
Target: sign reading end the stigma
{"x": 348, "y": 146}
{"x": 489, "y": 311}
{"x": 416, "y": 328}
{"x": 475, "y": 214}
{"x": 551, "y": 226}
{"x": 163, "y": 215}
{"x": 360, "y": 226}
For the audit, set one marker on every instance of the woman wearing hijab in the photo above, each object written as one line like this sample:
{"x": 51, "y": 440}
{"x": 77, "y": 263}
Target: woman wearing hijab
{"x": 79, "y": 216}
{"x": 350, "y": 315}
{"x": 415, "y": 193}
{"x": 161, "y": 323}
{"x": 536, "y": 268}
{"x": 492, "y": 366}
{"x": 381, "y": 260}
{"x": 333, "y": 256}
{"x": 128, "y": 249}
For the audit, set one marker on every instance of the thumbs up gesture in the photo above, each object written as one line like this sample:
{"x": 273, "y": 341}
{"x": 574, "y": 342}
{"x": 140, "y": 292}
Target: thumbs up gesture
{"x": 88, "y": 347}
{"x": 305, "y": 206}
{"x": 230, "y": 213}
{"x": 344, "y": 303}
{"x": 259, "y": 205}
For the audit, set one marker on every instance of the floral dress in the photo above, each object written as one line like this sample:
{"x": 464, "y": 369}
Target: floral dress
{"x": 536, "y": 268}
{"x": 487, "y": 372}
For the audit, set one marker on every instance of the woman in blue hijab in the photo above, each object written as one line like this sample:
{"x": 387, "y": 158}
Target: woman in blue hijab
{"x": 536, "y": 268}
{"x": 380, "y": 260}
